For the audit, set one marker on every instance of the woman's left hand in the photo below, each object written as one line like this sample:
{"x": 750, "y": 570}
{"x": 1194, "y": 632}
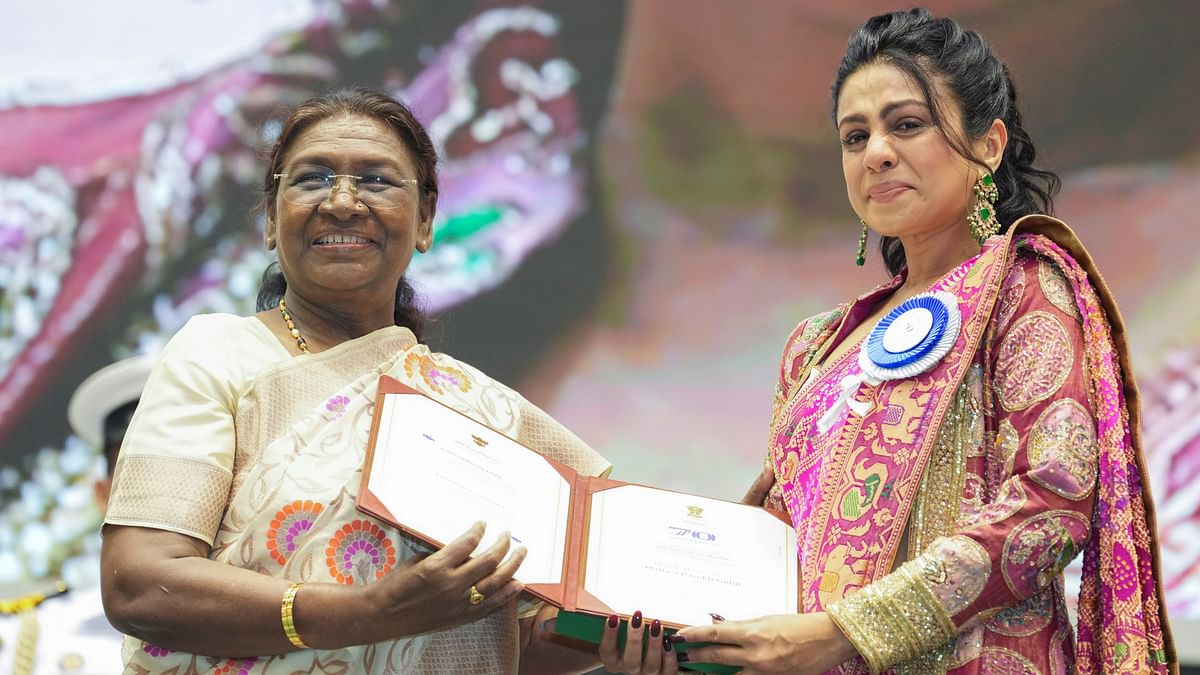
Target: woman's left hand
{"x": 784, "y": 643}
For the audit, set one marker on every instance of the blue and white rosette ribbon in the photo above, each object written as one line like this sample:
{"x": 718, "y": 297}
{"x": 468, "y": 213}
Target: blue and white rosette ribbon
{"x": 910, "y": 340}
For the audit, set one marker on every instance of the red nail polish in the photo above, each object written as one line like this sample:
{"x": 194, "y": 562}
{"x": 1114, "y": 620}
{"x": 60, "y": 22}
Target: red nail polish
{"x": 668, "y": 645}
{"x": 612, "y": 620}
{"x": 636, "y": 622}
{"x": 655, "y": 628}
{"x": 676, "y": 639}
{"x": 681, "y": 657}
{"x": 717, "y": 618}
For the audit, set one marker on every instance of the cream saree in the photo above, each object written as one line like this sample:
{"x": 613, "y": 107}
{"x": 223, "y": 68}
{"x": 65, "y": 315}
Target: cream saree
{"x": 259, "y": 453}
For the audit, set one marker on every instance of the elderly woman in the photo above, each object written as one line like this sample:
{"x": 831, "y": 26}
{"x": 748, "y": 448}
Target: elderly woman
{"x": 947, "y": 442}
{"x": 232, "y": 542}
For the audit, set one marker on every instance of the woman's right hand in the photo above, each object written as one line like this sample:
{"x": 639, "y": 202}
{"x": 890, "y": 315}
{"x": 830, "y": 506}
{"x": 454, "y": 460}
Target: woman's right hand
{"x": 657, "y": 657}
{"x": 434, "y": 592}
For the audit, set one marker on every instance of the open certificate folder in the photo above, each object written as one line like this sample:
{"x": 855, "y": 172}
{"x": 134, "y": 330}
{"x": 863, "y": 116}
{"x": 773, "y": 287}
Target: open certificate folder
{"x": 596, "y": 546}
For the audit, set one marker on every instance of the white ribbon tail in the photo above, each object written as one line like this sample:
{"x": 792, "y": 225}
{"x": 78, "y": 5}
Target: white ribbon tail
{"x": 849, "y": 385}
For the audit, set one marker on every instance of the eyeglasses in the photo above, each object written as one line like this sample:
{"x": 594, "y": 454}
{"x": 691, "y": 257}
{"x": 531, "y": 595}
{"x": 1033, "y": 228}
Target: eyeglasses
{"x": 315, "y": 186}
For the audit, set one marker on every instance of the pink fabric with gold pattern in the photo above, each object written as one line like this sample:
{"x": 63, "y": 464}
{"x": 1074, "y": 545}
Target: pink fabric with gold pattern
{"x": 1056, "y": 470}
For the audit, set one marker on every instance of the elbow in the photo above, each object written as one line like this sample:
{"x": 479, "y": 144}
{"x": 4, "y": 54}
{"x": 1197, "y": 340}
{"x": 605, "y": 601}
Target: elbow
{"x": 135, "y": 569}
{"x": 122, "y": 605}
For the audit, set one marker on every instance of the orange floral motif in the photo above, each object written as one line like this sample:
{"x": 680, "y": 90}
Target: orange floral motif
{"x": 360, "y": 553}
{"x": 243, "y": 666}
{"x": 289, "y": 527}
{"x": 438, "y": 377}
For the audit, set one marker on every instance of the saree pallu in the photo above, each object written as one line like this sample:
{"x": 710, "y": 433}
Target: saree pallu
{"x": 1018, "y": 450}
{"x": 284, "y": 505}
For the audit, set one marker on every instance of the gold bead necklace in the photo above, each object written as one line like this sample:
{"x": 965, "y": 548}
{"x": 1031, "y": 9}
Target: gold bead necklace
{"x": 287, "y": 318}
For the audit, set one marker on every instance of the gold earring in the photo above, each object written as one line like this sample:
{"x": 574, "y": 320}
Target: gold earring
{"x": 982, "y": 219}
{"x": 862, "y": 245}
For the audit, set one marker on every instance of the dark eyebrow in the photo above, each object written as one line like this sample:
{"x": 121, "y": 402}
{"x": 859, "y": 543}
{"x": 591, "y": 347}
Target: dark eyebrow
{"x": 884, "y": 112}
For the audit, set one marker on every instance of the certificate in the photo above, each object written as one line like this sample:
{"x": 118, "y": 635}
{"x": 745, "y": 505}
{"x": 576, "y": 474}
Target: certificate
{"x": 596, "y": 546}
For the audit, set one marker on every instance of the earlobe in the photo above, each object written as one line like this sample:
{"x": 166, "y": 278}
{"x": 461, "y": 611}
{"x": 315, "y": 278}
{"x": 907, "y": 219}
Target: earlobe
{"x": 425, "y": 233}
{"x": 269, "y": 236}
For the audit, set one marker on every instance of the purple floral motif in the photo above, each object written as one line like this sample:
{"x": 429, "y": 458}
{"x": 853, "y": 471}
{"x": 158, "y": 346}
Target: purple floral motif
{"x": 337, "y": 405}
{"x": 154, "y": 650}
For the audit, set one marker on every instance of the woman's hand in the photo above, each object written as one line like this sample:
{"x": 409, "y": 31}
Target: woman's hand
{"x": 434, "y": 592}
{"x": 657, "y": 656}
{"x": 785, "y": 643}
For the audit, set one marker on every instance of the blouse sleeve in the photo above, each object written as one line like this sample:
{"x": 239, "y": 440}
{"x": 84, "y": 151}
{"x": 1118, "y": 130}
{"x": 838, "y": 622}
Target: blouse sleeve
{"x": 176, "y": 463}
{"x": 1045, "y": 470}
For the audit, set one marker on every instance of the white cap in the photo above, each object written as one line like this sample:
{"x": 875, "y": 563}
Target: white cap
{"x": 103, "y": 392}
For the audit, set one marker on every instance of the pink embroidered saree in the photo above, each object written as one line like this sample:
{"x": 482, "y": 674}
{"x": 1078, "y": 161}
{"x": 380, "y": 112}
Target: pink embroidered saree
{"x": 1018, "y": 450}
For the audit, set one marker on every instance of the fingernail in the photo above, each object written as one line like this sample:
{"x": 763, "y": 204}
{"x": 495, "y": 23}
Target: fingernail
{"x": 612, "y": 620}
{"x": 676, "y": 639}
{"x": 681, "y": 657}
{"x": 667, "y": 644}
{"x": 636, "y": 622}
{"x": 655, "y": 628}
{"x": 717, "y": 618}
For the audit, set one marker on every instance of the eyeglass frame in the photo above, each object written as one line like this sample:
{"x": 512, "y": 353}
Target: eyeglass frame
{"x": 354, "y": 180}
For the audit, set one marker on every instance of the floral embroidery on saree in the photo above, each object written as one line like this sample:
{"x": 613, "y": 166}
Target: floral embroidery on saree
{"x": 1034, "y": 360}
{"x": 1036, "y": 550}
{"x": 437, "y": 376}
{"x": 1056, "y": 289}
{"x": 1062, "y": 448}
{"x": 359, "y": 553}
{"x": 289, "y": 526}
{"x": 1008, "y": 441}
{"x": 1025, "y": 619}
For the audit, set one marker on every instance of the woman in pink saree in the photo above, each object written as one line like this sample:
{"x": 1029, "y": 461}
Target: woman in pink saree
{"x": 948, "y": 442}
{"x": 232, "y": 543}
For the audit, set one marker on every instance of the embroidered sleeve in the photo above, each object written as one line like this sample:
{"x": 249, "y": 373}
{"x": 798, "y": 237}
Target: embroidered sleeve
{"x": 1040, "y": 476}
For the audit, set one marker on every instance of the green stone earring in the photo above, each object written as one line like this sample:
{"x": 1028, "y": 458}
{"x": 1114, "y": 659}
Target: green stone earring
{"x": 862, "y": 246}
{"x": 982, "y": 219}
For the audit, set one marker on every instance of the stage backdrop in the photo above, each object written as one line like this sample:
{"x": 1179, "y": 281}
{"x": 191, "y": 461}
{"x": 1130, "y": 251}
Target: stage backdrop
{"x": 639, "y": 202}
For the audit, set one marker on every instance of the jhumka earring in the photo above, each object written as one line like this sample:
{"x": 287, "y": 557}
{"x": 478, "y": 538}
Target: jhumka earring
{"x": 862, "y": 245}
{"x": 982, "y": 219}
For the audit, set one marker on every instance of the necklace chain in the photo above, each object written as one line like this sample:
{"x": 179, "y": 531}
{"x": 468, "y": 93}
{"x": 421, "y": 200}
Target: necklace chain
{"x": 287, "y": 318}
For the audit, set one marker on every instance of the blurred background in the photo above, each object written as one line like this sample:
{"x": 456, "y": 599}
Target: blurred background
{"x": 640, "y": 201}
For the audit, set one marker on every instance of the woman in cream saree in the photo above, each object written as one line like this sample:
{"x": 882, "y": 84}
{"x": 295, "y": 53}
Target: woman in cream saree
{"x": 271, "y": 474}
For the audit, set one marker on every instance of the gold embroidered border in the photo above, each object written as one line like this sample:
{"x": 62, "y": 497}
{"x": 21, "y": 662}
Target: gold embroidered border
{"x": 893, "y": 620}
{"x": 169, "y": 493}
{"x": 939, "y": 498}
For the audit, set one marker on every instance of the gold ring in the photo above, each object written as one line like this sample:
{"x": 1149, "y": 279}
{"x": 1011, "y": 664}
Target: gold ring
{"x": 476, "y": 597}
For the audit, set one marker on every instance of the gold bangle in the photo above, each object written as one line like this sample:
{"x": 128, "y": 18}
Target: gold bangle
{"x": 289, "y": 623}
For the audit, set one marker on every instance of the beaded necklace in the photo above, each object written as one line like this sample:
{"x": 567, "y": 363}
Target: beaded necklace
{"x": 287, "y": 318}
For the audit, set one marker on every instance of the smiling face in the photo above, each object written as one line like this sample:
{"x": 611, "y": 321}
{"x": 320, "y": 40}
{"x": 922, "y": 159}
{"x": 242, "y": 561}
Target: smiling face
{"x": 340, "y": 249}
{"x": 902, "y": 176}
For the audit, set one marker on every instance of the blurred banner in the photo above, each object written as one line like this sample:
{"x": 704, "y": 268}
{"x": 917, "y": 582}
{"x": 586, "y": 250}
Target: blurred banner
{"x": 640, "y": 200}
